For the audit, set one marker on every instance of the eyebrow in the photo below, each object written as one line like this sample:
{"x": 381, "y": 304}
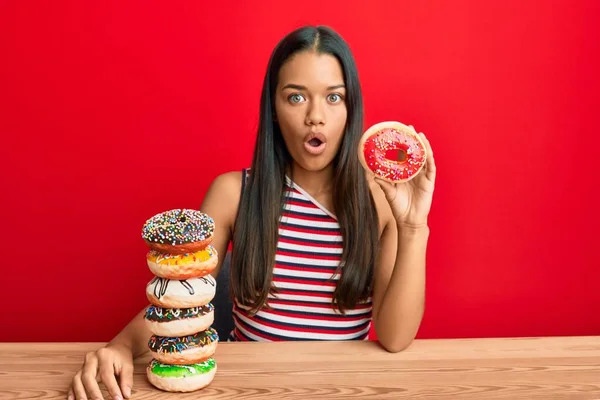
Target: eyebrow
{"x": 300, "y": 87}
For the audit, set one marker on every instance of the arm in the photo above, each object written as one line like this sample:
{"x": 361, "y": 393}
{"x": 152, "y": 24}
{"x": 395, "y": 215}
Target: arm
{"x": 399, "y": 293}
{"x": 399, "y": 290}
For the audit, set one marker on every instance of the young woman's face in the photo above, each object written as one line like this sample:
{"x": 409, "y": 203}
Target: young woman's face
{"x": 310, "y": 108}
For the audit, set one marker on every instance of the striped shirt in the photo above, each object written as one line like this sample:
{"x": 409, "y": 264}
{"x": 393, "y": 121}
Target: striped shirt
{"x": 308, "y": 252}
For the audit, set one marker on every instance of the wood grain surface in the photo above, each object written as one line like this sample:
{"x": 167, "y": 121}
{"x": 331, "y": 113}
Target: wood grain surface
{"x": 506, "y": 368}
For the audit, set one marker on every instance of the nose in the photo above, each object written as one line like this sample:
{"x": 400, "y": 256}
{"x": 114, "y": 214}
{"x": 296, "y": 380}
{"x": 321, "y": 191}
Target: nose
{"x": 315, "y": 114}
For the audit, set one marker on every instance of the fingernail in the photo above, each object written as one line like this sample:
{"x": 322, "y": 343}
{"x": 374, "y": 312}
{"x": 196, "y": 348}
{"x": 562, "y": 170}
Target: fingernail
{"x": 127, "y": 391}
{"x": 118, "y": 398}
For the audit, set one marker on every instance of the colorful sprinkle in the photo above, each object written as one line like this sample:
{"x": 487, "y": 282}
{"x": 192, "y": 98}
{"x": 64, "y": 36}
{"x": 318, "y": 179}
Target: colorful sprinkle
{"x": 160, "y": 314}
{"x": 174, "y": 259}
{"x": 164, "y": 344}
{"x": 178, "y": 226}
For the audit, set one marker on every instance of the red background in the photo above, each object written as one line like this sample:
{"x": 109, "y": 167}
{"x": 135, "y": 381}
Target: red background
{"x": 110, "y": 113}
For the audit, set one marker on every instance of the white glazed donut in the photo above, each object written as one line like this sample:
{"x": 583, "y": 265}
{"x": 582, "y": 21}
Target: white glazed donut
{"x": 186, "y": 293}
{"x": 179, "y": 321}
{"x": 181, "y": 378}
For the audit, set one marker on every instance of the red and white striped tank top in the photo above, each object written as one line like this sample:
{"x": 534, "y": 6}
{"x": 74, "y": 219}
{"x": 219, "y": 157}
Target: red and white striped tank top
{"x": 308, "y": 252}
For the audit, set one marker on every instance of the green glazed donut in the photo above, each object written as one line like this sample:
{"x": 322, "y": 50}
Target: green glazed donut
{"x": 181, "y": 378}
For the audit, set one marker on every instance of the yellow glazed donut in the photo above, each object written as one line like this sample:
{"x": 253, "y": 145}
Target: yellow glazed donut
{"x": 182, "y": 266}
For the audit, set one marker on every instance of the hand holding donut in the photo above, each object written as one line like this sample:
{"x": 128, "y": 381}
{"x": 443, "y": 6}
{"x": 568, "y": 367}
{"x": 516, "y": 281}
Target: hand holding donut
{"x": 408, "y": 183}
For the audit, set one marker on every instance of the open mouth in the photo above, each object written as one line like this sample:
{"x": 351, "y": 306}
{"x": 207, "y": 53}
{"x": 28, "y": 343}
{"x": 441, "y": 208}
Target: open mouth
{"x": 315, "y": 145}
{"x": 315, "y": 142}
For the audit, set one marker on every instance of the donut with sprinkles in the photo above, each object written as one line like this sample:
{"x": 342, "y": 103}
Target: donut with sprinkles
{"x": 178, "y": 321}
{"x": 179, "y": 231}
{"x": 188, "y": 349}
{"x": 183, "y": 266}
{"x": 385, "y": 138}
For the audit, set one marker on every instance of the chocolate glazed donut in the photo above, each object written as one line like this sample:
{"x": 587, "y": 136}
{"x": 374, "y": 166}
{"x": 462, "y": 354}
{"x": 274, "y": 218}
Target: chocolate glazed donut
{"x": 178, "y": 321}
{"x": 183, "y": 350}
{"x": 178, "y": 231}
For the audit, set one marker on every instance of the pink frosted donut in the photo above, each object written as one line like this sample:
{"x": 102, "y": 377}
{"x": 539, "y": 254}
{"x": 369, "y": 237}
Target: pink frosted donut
{"x": 392, "y": 136}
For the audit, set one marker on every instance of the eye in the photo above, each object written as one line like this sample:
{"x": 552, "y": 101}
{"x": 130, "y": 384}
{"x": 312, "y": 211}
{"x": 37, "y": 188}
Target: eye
{"x": 335, "y": 98}
{"x": 295, "y": 98}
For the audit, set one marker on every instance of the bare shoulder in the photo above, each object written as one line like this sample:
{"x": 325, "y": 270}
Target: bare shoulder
{"x": 221, "y": 203}
{"x": 227, "y": 183}
{"x": 383, "y": 207}
{"x": 223, "y": 196}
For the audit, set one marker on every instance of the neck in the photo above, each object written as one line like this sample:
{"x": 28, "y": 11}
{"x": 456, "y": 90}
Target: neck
{"x": 313, "y": 182}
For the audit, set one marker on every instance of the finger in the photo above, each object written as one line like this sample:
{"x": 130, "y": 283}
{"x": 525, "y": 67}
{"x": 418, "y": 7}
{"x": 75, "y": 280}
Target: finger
{"x": 126, "y": 378}
{"x": 428, "y": 148}
{"x": 77, "y": 387}
{"x": 107, "y": 374}
{"x": 430, "y": 168}
{"x": 88, "y": 377}
{"x": 388, "y": 188}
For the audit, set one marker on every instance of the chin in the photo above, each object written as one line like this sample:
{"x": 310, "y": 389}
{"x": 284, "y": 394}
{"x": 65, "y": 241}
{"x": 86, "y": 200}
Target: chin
{"x": 315, "y": 166}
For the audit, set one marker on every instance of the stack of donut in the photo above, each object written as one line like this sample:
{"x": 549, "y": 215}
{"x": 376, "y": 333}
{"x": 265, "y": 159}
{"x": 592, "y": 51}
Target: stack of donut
{"x": 180, "y": 313}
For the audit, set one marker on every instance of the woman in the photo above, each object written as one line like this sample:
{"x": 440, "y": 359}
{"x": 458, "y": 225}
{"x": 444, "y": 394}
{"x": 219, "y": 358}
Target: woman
{"x": 319, "y": 250}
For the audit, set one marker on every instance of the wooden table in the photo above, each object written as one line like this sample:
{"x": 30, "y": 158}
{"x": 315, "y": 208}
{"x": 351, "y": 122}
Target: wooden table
{"x": 524, "y": 368}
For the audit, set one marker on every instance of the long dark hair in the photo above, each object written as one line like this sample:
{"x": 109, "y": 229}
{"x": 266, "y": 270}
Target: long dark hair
{"x": 255, "y": 233}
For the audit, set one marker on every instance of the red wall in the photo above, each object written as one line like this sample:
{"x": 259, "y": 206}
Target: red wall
{"x": 112, "y": 113}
